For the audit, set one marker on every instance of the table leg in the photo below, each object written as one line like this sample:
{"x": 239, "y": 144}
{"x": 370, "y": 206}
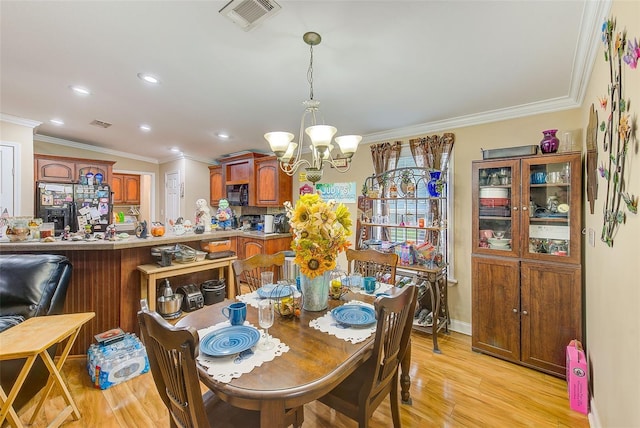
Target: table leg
{"x": 272, "y": 414}
{"x": 405, "y": 379}
{"x": 55, "y": 378}
{"x": 7, "y": 401}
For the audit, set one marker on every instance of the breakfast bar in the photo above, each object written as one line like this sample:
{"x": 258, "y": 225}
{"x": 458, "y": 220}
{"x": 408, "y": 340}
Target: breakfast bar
{"x": 106, "y": 279}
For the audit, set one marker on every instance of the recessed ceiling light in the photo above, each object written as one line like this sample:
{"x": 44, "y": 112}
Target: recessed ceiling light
{"x": 80, "y": 90}
{"x": 175, "y": 150}
{"x": 145, "y": 128}
{"x": 223, "y": 135}
{"x": 149, "y": 78}
{"x": 58, "y": 122}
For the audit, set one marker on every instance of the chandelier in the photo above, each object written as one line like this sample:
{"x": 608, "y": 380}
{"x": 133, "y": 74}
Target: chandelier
{"x": 319, "y": 135}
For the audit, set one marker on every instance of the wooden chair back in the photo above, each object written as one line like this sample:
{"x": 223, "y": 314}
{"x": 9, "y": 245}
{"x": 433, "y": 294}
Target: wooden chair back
{"x": 248, "y": 271}
{"x": 371, "y": 262}
{"x": 359, "y": 395}
{"x": 172, "y": 355}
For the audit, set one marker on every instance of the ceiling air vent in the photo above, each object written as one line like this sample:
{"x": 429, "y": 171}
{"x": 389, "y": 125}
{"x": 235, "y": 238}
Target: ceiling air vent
{"x": 100, "y": 123}
{"x": 249, "y": 13}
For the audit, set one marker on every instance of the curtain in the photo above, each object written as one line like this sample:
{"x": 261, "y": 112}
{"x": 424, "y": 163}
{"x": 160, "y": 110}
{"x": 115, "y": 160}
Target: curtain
{"x": 385, "y": 156}
{"x": 432, "y": 151}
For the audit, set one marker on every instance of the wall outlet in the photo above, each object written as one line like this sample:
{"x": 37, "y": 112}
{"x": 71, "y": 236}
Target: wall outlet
{"x": 592, "y": 237}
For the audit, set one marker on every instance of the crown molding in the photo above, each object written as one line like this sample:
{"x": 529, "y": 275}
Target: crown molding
{"x": 74, "y": 144}
{"x": 548, "y": 106}
{"x": 19, "y": 120}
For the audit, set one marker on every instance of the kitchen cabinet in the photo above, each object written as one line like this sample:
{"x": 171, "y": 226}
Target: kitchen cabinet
{"x": 61, "y": 169}
{"x": 526, "y": 259}
{"x": 216, "y": 185}
{"x": 250, "y": 246}
{"x": 405, "y": 211}
{"x": 274, "y": 186}
{"x": 126, "y": 189}
{"x": 240, "y": 169}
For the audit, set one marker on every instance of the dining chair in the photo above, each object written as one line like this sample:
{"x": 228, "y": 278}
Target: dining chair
{"x": 371, "y": 262}
{"x": 172, "y": 353}
{"x": 248, "y": 271}
{"x": 359, "y": 395}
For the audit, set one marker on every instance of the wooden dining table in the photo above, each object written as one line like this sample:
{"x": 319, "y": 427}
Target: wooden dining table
{"x": 315, "y": 363}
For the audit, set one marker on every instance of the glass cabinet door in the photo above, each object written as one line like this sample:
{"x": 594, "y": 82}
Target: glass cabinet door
{"x": 496, "y": 202}
{"x": 551, "y": 197}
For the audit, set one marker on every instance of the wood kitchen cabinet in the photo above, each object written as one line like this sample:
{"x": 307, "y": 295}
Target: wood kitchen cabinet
{"x": 274, "y": 186}
{"x": 126, "y": 189}
{"x": 526, "y": 261}
{"x": 240, "y": 169}
{"x": 216, "y": 185}
{"x": 248, "y": 246}
{"x": 61, "y": 169}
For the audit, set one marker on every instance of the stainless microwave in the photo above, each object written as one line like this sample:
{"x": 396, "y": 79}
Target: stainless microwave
{"x": 238, "y": 194}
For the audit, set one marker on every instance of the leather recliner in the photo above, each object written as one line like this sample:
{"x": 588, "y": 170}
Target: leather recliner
{"x": 31, "y": 285}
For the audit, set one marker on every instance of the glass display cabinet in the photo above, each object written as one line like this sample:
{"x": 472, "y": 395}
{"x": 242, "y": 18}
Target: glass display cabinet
{"x": 526, "y": 258}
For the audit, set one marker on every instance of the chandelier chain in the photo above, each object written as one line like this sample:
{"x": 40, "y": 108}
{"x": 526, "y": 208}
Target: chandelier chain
{"x": 310, "y": 73}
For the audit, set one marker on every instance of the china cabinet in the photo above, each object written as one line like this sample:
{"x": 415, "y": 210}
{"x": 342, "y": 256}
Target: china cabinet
{"x": 526, "y": 261}
{"x": 405, "y": 211}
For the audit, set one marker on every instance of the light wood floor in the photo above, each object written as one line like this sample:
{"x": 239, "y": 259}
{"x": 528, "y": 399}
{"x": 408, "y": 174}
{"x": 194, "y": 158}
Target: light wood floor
{"x": 458, "y": 388}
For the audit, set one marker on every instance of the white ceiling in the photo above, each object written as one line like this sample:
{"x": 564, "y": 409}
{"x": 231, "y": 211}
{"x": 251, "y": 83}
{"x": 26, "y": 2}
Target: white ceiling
{"x": 384, "y": 69}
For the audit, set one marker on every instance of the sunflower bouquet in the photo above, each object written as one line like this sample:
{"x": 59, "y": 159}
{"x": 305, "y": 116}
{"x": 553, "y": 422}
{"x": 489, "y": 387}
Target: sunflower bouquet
{"x": 320, "y": 232}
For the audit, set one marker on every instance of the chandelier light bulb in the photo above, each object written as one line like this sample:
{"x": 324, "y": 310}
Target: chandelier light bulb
{"x": 279, "y": 141}
{"x": 321, "y": 135}
{"x": 348, "y": 144}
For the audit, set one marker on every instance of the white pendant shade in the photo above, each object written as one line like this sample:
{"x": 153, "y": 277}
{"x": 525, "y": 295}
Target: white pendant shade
{"x": 348, "y": 144}
{"x": 321, "y": 135}
{"x": 279, "y": 141}
{"x": 289, "y": 153}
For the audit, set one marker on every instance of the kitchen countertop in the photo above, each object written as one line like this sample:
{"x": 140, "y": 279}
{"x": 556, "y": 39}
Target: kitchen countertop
{"x": 132, "y": 241}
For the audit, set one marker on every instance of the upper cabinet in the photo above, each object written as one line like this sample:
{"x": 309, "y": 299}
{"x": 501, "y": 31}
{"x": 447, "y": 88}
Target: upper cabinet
{"x": 240, "y": 169}
{"x": 528, "y": 208}
{"x": 126, "y": 189}
{"x": 216, "y": 185}
{"x": 274, "y": 186}
{"x": 60, "y": 169}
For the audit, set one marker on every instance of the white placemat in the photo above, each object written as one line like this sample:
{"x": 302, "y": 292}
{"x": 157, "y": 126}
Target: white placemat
{"x": 253, "y": 298}
{"x": 381, "y": 288}
{"x": 328, "y": 324}
{"x": 224, "y": 369}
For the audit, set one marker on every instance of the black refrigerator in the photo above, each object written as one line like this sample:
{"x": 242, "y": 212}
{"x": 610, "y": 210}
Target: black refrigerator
{"x": 74, "y": 205}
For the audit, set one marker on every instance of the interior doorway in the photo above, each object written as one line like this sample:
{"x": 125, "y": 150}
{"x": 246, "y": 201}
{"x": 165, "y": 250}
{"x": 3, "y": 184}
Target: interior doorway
{"x": 8, "y": 182}
{"x": 172, "y": 195}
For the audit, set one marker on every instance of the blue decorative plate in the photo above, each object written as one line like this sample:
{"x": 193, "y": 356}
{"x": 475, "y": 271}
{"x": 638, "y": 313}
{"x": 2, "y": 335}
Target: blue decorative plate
{"x": 354, "y": 315}
{"x": 229, "y": 340}
{"x": 275, "y": 292}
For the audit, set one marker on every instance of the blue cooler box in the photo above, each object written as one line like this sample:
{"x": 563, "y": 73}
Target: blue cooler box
{"x": 117, "y": 362}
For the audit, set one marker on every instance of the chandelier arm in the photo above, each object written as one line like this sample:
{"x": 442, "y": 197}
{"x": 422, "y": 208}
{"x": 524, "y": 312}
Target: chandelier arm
{"x": 291, "y": 168}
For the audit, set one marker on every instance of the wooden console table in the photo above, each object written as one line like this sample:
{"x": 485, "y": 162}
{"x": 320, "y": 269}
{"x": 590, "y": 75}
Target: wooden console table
{"x": 31, "y": 339}
{"x": 150, "y": 273}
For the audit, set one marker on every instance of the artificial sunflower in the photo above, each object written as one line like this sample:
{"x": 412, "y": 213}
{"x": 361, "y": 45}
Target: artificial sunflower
{"x": 320, "y": 232}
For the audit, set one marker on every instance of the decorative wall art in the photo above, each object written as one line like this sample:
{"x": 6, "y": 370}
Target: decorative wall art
{"x": 618, "y": 130}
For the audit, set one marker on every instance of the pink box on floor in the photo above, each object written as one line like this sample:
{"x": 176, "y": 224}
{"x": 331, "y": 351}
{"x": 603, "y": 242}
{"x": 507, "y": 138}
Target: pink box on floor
{"x": 577, "y": 382}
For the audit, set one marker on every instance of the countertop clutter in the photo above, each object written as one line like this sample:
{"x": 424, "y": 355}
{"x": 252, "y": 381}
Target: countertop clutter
{"x": 132, "y": 241}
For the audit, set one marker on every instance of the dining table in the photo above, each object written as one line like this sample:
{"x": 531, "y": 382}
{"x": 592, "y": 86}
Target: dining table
{"x": 314, "y": 364}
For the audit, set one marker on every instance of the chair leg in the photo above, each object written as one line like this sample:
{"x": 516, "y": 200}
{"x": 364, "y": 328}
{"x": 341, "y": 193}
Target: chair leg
{"x": 395, "y": 403}
{"x": 299, "y": 417}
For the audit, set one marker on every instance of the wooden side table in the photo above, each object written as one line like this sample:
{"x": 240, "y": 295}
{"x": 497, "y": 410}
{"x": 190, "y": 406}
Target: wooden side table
{"x": 31, "y": 339}
{"x": 150, "y": 273}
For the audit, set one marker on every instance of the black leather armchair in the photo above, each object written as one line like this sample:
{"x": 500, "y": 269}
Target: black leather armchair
{"x": 31, "y": 285}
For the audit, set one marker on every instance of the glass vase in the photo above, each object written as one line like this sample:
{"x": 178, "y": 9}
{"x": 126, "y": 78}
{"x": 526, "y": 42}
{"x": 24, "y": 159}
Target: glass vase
{"x": 550, "y": 142}
{"x": 315, "y": 292}
{"x": 434, "y": 186}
